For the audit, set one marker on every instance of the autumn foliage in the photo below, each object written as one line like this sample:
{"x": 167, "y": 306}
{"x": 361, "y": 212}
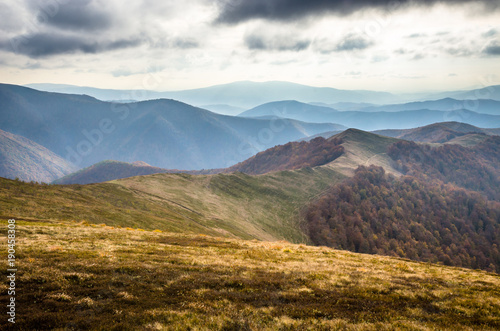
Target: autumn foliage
{"x": 476, "y": 168}
{"x": 425, "y": 221}
{"x": 291, "y": 156}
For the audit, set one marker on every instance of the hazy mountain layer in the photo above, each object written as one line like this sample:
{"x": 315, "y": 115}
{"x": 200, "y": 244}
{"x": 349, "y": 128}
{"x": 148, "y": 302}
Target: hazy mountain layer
{"x": 370, "y": 121}
{"x": 487, "y": 92}
{"x": 482, "y": 106}
{"x": 244, "y": 94}
{"x": 24, "y": 159}
{"x": 162, "y": 133}
{"x": 248, "y": 94}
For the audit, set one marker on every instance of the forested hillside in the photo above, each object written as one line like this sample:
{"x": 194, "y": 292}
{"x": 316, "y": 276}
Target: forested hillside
{"x": 425, "y": 221}
{"x": 475, "y": 168}
{"x": 291, "y": 156}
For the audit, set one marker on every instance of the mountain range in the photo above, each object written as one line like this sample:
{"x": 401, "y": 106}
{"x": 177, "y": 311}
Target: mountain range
{"x": 244, "y": 94}
{"x": 344, "y": 151}
{"x": 163, "y": 133}
{"x": 370, "y": 120}
{"x": 227, "y": 98}
{"x": 482, "y": 106}
{"x": 172, "y": 135}
{"x": 485, "y": 92}
{"x": 426, "y": 195}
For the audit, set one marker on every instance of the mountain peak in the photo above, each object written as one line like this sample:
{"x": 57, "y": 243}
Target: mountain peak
{"x": 355, "y": 133}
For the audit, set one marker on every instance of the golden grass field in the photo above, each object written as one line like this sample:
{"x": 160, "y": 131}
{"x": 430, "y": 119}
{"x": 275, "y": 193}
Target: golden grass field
{"x": 76, "y": 275}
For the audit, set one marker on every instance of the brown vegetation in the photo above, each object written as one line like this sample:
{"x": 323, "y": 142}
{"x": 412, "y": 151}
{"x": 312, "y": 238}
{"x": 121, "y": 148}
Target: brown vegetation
{"x": 476, "y": 168}
{"x": 378, "y": 214}
{"x": 291, "y": 156}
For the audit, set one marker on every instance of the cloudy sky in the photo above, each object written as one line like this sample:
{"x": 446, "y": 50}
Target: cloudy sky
{"x": 398, "y": 46}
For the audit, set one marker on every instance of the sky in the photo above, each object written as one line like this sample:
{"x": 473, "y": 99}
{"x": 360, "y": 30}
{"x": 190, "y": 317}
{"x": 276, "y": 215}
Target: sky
{"x": 383, "y": 45}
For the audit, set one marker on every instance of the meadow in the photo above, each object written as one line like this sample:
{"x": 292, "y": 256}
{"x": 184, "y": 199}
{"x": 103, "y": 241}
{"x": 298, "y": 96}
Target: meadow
{"x": 78, "y": 275}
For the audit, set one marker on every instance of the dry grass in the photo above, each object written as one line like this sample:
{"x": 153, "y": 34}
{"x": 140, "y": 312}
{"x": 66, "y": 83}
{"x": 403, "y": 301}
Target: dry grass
{"x": 77, "y": 276}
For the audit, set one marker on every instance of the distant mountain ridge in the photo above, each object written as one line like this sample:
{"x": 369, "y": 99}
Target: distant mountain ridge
{"x": 482, "y": 106}
{"x": 370, "y": 121}
{"x": 164, "y": 133}
{"x": 244, "y": 94}
{"x": 488, "y": 92}
{"x": 248, "y": 94}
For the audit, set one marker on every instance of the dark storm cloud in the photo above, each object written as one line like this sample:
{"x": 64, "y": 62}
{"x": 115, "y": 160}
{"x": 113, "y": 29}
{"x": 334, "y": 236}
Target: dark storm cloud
{"x": 492, "y": 49}
{"x": 46, "y": 44}
{"x": 84, "y": 26}
{"x": 80, "y": 15}
{"x": 276, "y": 43}
{"x": 236, "y": 11}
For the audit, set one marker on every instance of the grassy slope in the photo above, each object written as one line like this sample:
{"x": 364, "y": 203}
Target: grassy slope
{"x": 77, "y": 276}
{"x": 265, "y": 207}
{"x": 235, "y": 205}
{"x": 363, "y": 148}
